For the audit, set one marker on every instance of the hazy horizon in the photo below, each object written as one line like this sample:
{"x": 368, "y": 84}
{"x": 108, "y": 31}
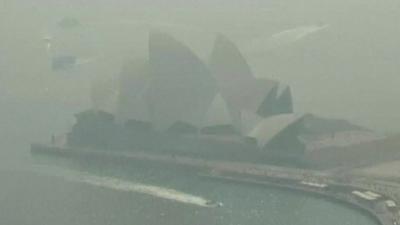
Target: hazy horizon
{"x": 348, "y": 69}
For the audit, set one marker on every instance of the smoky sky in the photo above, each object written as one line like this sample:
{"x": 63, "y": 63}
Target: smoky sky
{"x": 339, "y": 57}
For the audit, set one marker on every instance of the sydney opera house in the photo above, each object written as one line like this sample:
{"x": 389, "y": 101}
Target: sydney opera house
{"x": 173, "y": 101}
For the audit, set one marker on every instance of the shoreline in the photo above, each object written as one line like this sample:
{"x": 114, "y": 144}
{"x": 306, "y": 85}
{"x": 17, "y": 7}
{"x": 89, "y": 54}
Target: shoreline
{"x": 259, "y": 174}
{"x": 331, "y": 198}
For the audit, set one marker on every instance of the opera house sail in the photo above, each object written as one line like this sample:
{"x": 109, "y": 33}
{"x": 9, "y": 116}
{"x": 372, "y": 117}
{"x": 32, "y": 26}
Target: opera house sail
{"x": 134, "y": 83}
{"x": 240, "y": 88}
{"x": 181, "y": 87}
{"x": 276, "y": 103}
{"x": 174, "y": 102}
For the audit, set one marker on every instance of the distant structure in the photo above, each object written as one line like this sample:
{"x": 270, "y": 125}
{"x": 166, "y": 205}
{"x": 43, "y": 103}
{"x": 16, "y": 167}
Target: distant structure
{"x": 221, "y": 118}
{"x": 134, "y": 83}
{"x": 181, "y": 86}
{"x": 281, "y": 135}
{"x": 174, "y": 85}
{"x": 240, "y": 88}
{"x": 294, "y": 135}
{"x": 276, "y": 103}
{"x": 173, "y": 100}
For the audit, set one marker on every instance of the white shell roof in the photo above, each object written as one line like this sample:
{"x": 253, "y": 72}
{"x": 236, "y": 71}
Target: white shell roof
{"x": 218, "y": 113}
{"x": 182, "y": 87}
{"x": 268, "y": 128}
{"x": 235, "y": 79}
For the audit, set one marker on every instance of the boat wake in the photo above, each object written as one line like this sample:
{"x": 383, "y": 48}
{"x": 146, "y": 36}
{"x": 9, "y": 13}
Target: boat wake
{"x": 127, "y": 186}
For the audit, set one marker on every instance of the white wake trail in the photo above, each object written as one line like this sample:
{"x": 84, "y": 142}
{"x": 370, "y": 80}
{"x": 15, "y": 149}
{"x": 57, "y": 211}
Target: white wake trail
{"x": 128, "y": 186}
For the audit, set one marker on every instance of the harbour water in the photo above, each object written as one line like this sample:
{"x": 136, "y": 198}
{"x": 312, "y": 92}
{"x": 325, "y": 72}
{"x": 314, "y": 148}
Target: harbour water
{"x": 44, "y": 193}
